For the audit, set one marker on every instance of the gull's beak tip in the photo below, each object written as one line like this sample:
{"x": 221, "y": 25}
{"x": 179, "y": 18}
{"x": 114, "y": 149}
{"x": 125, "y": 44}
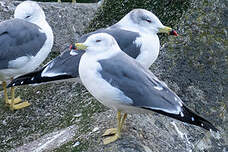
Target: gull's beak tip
{"x": 173, "y": 32}
{"x": 168, "y": 30}
{"x": 73, "y": 49}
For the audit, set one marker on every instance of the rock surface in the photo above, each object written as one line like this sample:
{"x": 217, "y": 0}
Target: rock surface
{"x": 57, "y": 106}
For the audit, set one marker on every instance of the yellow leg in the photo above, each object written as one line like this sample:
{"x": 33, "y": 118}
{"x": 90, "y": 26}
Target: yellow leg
{"x": 5, "y": 92}
{"x": 114, "y": 133}
{"x": 12, "y": 98}
{"x": 122, "y": 121}
{"x": 15, "y": 102}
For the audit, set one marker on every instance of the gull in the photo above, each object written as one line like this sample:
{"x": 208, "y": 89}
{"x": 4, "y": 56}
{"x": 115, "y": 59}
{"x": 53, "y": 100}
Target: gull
{"x": 119, "y": 82}
{"x": 25, "y": 42}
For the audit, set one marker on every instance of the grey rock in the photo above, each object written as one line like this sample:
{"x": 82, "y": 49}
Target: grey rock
{"x": 50, "y": 141}
{"x": 200, "y": 84}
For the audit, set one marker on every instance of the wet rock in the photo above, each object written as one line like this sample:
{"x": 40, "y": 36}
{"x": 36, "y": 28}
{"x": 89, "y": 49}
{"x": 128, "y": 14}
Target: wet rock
{"x": 49, "y": 141}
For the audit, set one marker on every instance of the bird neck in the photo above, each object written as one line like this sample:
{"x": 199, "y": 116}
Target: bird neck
{"x": 43, "y": 24}
{"x": 38, "y": 21}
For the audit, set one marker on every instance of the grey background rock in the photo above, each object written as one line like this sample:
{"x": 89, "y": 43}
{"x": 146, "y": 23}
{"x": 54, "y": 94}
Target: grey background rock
{"x": 60, "y": 105}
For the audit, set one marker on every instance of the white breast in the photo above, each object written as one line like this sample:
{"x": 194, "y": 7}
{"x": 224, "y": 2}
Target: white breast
{"x": 149, "y": 50}
{"x": 150, "y": 46}
{"x": 89, "y": 73}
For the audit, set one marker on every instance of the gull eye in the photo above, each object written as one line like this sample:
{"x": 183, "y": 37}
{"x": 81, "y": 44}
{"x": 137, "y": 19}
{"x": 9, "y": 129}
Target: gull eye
{"x": 27, "y": 16}
{"x": 98, "y": 40}
{"x": 148, "y": 20}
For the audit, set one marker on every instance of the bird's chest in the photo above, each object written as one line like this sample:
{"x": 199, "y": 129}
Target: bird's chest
{"x": 89, "y": 75}
{"x": 89, "y": 71}
{"x": 149, "y": 50}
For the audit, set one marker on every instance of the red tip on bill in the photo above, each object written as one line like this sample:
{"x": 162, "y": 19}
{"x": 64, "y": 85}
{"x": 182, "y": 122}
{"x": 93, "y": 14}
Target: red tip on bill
{"x": 173, "y": 32}
{"x": 72, "y": 47}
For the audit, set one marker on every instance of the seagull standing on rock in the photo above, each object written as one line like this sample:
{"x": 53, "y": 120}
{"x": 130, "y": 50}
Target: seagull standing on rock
{"x": 135, "y": 33}
{"x": 25, "y": 43}
{"x": 119, "y": 82}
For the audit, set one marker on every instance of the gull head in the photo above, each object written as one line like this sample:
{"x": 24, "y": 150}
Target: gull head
{"x": 96, "y": 43}
{"x": 145, "y": 21}
{"x": 29, "y": 11}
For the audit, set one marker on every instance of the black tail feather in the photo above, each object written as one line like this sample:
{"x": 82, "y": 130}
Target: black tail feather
{"x": 35, "y": 78}
{"x": 190, "y": 117}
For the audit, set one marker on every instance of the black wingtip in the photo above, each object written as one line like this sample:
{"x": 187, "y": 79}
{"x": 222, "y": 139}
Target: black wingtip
{"x": 193, "y": 118}
{"x": 29, "y": 78}
{"x": 17, "y": 82}
{"x": 190, "y": 117}
{"x": 35, "y": 78}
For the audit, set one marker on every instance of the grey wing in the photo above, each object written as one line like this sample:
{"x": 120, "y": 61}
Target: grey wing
{"x": 139, "y": 84}
{"x": 19, "y": 38}
{"x": 125, "y": 39}
{"x": 147, "y": 91}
